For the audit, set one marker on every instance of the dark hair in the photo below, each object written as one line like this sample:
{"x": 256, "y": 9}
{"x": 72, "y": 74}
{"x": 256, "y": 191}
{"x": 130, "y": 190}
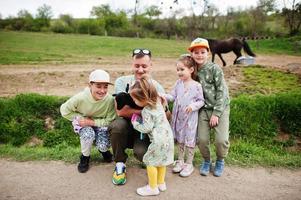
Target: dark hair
{"x": 188, "y": 62}
{"x": 144, "y": 90}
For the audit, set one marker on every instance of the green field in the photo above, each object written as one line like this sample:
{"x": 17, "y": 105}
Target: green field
{"x": 25, "y": 47}
{"x": 31, "y": 48}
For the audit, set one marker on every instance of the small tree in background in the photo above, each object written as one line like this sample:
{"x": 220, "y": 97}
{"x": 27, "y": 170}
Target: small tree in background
{"x": 293, "y": 17}
{"x": 43, "y": 17}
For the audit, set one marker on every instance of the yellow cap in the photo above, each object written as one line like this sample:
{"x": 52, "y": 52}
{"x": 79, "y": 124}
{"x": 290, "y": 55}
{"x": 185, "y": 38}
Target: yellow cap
{"x": 199, "y": 42}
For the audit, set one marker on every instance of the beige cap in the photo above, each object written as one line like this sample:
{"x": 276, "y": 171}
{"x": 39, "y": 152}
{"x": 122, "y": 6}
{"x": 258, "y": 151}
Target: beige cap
{"x": 99, "y": 76}
{"x": 199, "y": 42}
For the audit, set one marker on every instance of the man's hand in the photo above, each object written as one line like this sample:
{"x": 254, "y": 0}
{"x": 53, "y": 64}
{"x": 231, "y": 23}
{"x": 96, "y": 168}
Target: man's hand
{"x": 213, "y": 121}
{"x": 127, "y": 111}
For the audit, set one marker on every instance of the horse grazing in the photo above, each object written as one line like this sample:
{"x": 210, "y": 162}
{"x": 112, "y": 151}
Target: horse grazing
{"x": 224, "y": 46}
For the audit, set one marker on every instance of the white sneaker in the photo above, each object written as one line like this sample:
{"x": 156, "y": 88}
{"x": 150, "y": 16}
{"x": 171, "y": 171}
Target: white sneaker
{"x": 179, "y": 166}
{"x": 147, "y": 191}
{"x": 187, "y": 171}
{"x": 162, "y": 187}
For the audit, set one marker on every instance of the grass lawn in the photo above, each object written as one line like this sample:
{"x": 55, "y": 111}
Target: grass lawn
{"x": 31, "y": 48}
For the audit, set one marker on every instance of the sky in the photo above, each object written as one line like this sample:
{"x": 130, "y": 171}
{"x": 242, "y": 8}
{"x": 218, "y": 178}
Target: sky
{"x": 82, "y": 8}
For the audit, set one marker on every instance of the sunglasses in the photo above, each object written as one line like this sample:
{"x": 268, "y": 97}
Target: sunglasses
{"x": 142, "y": 51}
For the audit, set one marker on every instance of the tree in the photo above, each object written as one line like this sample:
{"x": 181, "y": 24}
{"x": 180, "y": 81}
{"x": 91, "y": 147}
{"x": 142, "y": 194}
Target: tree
{"x": 68, "y": 19}
{"x": 43, "y": 16}
{"x": 111, "y": 21}
{"x": 153, "y": 11}
{"x": 26, "y": 19}
{"x": 267, "y": 5}
{"x": 65, "y": 24}
{"x": 293, "y": 17}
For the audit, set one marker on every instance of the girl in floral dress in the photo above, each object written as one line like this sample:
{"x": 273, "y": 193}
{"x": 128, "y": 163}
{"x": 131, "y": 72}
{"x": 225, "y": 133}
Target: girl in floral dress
{"x": 153, "y": 122}
{"x": 187, "y": 95}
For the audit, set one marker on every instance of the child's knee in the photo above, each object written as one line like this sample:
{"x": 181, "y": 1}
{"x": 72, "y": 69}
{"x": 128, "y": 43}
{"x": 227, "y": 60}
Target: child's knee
{"x": 139, "y": 151}
{"x": 87, "y": 133}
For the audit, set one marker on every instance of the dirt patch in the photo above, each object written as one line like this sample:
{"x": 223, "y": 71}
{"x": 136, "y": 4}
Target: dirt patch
{"x": 58, "y": 180}
{"x": 66, "y": 80}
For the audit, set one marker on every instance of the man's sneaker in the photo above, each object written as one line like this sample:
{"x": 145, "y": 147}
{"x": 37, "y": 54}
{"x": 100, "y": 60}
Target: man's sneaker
{"x": 205, "y": 168}
{"x": 162, "y": 187}
{"x": 179, "y": 166}
{"x": 148, "y": 191}
{"x": 107, "y": 156}
{"x": 187, "y": 171}
{"x": 219, "y": 168}
{"x": 119, "y": 175}
{"x": 83, "y": 165}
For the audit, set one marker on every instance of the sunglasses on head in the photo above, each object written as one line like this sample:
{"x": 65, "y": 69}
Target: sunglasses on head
{"x": 142, "y": 51}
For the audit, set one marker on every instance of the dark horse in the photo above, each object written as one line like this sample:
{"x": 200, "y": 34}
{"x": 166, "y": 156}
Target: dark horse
{"x": 224, "y": 46}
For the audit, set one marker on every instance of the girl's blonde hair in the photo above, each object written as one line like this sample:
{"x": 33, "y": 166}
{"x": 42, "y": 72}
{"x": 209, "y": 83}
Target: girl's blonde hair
{"x": 188, "y": 62}
{"x": 144, "y": 91}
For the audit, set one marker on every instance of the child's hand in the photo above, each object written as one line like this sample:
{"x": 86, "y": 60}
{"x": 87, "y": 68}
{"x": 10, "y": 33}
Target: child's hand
{"x": 213, "y": 121}
{"x": 135, "y": 117}
{"x": 86, "y": 122}
{"x": 188, "y": 109}
{"x": 163, "y": 100}
{"x": 75, "y": 124}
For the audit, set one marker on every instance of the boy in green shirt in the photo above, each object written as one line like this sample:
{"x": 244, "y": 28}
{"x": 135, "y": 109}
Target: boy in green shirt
{"x": 91, "y": 111}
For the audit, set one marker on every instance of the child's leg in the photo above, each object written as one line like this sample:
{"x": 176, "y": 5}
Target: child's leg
{"x": 102, "y": 140}
{"x": 152, "y": 173}
{"x": 161, "y": 174}
{"x": 190, "y": 154}
{"x": 152, "y": 187}
{"x": 87, "y": 136}
{"x": 181, "y": 152}
{"x": 204, "y": 134}
{"x": 180, "y": 162}
{"x": 188, "y": 167}
{"x": 222, "y": 135}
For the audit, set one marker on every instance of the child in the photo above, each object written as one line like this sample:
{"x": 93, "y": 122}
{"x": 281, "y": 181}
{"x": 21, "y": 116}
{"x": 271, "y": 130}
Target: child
{"x": 91, "y": 111}
{"x": 187, "y": 95}
{"x": 155, "y": 124}
{"x": 215, "y": 113}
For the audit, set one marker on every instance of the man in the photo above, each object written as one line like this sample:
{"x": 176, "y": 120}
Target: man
{"x": 122, "y": 133}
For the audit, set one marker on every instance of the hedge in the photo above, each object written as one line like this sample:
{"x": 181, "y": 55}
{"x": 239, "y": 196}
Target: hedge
{"x": 256, "y": 118}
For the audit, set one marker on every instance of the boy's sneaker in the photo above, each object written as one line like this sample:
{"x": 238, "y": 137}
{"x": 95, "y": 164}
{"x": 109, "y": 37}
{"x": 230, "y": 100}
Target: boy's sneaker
{"x": 162, "y": 187}
{"x": 205, "y": 168}
{"x": 119, "y": 175}
{"x": 107, "y": 156}
{"x": 148, "y": 191}
{"x": 187, "y": 171}
{"x": 83, "y": 165}
{"x": 219, "y": 168}
{"x": 179, "y": 166}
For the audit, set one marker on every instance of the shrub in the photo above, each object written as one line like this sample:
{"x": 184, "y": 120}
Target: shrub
{"x": 24, "y": 116}
{"x": 257, "y": 118}
{"x": 288, "y": 112}
{"x": 252, "y": 118}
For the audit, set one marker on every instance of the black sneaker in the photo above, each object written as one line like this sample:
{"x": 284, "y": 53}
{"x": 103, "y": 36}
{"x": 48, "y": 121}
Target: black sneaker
{"x": 83, "y": 166}
{"x": 107, "y": 156}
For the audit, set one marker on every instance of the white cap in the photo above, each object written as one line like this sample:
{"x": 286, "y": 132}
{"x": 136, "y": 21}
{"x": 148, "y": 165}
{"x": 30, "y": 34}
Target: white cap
{"x": 99, "y": 76}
